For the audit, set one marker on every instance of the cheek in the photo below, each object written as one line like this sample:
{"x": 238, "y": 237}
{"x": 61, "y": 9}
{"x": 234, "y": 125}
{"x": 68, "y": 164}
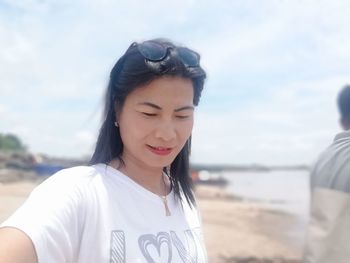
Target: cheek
{"x": 135, "y": 129}
{"x": 185, "y": 130}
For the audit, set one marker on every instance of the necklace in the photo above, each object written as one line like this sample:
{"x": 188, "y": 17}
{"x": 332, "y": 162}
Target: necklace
{"x": 165, "y": 201}
{"x": 163, "y": 197}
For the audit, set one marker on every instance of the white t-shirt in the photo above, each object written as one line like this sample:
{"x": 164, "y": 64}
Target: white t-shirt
{"x": 97, "y": 214}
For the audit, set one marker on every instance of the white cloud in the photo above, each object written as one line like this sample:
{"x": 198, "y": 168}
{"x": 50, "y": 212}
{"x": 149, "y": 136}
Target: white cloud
{"x": 3, "y": 110}
{"x": 274, "y": 70}
{"x": 281, "y": 36}
{"x": 291, "y": 125}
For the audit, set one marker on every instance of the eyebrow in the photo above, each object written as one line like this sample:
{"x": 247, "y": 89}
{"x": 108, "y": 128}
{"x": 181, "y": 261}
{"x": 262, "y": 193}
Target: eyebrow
{"x": 159, "y": 108}
{"x": 184, "y": 108}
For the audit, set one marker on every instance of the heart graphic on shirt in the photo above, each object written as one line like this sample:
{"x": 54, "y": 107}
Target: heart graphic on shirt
{"x": 156, "y": 248}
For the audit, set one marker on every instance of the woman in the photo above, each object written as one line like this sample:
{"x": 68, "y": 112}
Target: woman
{"x": 134, "y": 203}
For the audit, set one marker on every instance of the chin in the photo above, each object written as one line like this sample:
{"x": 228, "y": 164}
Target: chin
{"x": 161, "y": 163}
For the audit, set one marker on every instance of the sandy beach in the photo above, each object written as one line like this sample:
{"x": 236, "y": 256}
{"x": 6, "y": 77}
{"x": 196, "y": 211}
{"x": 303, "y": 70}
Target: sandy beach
{"x": 234, "y": 230}
{"x": 245, "y": 231}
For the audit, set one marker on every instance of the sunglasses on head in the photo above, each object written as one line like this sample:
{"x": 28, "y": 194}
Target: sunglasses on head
{"x": 156, "y": 52}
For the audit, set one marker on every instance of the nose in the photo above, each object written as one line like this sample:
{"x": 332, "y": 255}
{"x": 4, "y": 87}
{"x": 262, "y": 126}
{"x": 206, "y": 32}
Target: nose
{"x": 166, "y": 131}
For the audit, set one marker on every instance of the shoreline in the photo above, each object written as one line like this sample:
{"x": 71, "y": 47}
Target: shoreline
{"x": 238, "y": 230}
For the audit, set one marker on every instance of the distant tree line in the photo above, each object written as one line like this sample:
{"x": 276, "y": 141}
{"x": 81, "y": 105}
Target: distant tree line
{"x": 10, "y": 142}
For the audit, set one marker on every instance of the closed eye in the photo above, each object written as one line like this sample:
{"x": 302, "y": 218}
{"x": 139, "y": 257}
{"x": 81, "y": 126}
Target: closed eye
{"x": 182, "y": 116}
{"x": 149, "y": 114}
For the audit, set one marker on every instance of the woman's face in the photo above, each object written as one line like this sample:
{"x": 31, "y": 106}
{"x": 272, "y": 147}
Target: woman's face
{"x": 156, "y": 121}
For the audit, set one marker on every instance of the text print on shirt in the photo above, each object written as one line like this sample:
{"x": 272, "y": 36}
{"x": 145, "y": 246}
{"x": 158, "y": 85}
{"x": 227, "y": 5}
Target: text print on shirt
{"x": 158, "y": 248}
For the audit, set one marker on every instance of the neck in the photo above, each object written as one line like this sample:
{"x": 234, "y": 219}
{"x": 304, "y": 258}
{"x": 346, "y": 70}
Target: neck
{"x": 345, "y": 123}
{"x": 151, "y": 178}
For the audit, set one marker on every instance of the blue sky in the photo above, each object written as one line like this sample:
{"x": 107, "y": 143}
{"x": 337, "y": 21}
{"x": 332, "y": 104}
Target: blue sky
{"x": 274, "y": 71}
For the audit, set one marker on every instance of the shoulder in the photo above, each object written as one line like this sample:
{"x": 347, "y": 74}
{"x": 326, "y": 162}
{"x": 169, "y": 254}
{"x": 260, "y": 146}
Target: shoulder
{"x": 53, "y": 212}
{"x": 68, "y": 181}
{"x": 332, "y": 167}
{"x": 336, "y": 153}
{"x": 74, "y": 175}
{"x": 65, "y": 192}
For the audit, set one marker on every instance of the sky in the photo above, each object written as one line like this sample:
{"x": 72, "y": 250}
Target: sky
{"x": 274, "y": 69}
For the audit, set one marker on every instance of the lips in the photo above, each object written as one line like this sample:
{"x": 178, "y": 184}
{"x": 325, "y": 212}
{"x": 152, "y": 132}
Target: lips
{"x": 160, "y": 150}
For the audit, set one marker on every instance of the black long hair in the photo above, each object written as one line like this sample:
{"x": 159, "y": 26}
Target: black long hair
{"x": 131, "y": 71}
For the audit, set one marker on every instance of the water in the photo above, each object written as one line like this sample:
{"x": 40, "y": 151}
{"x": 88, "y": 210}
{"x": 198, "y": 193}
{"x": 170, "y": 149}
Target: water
{"x": 286, "y": 191}
{"x": 282, "y": 190}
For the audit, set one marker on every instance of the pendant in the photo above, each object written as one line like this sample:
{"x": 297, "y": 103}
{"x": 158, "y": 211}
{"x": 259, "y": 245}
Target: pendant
{"x": 167, "y": 210}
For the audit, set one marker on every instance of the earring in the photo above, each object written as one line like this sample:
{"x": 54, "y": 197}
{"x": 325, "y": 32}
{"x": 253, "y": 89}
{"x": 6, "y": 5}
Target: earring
{"x": 116, "y": 124}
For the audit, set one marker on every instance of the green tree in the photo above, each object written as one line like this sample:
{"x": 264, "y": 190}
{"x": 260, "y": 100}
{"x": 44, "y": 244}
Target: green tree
{"x": 10, "y": 142}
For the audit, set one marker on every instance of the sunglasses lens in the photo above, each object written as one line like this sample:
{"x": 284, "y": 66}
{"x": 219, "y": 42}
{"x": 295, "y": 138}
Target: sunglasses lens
{"x": 188, "y": 57}
{"x": 152, "y": 51}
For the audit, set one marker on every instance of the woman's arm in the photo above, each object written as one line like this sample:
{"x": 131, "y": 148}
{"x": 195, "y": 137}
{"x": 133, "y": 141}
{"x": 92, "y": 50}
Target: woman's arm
{"x": 16, "y": 247}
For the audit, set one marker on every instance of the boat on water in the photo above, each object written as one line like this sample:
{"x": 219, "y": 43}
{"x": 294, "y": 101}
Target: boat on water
{"x": 208, "y": 178}
{"x": 47, "y": 169}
